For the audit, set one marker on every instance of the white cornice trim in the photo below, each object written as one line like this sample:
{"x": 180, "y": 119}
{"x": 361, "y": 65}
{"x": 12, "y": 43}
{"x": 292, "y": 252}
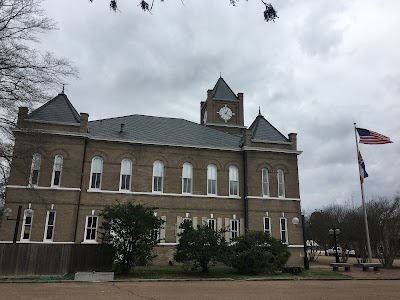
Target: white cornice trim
{"x": 273, "y": 198}
{"x": 162, "y": 194}
{"x": 53, "y": 122}
{"x": 225, "y": 125}
{"x": 295, "y": 246}
{"x": 42, "y": 188}
{"x": 271, "y": 142}
{"x": 42, "y": 131}
{"x": 246, "y": 148}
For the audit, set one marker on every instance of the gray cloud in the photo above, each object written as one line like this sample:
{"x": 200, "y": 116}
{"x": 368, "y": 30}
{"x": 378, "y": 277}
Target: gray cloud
{"x": 322, "y": 66}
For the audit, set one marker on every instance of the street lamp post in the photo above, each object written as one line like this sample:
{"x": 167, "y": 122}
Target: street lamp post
{"x": 335, "y": 231}
{"x": 295, "y": 222}
{"x": 7, "y": 213}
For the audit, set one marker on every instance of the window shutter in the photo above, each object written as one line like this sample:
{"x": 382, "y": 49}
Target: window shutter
{"x": 241, "y": 226}
{"x": 194, "y": 222}
{"x": 204, "y": 221}
{"x": 162, "y": 229}
{"x": 219, "y": 223}
{"x": 227, "y": 228}
{"x": 177, "y": 229}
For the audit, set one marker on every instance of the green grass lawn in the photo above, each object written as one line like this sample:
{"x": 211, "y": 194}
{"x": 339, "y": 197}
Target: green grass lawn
{"x": 220, "y": 272}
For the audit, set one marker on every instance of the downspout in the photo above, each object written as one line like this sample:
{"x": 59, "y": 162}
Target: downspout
{"x": 80, "y": 189}
{"x": 245, "y": 192}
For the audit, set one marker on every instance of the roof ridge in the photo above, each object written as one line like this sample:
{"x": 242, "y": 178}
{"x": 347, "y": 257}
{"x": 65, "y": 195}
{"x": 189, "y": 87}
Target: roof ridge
{"x": 148, "y": 116}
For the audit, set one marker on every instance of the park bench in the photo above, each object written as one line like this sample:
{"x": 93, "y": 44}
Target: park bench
{"x": 366, "y": 266}
{"x": 346, "y": 266}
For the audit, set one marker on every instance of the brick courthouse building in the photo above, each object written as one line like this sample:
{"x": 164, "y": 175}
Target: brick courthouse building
{"x": 218, "y": 172}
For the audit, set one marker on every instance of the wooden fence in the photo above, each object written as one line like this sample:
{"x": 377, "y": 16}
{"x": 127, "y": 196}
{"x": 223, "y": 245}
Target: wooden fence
{"x": 52, "y": 259}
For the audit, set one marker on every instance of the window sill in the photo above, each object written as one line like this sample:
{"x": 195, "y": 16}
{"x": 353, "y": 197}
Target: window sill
{"x": 89, "y": 242}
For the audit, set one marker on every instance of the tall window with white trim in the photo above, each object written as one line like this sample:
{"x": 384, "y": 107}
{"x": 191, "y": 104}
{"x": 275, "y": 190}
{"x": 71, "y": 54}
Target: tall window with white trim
{"x": 35, "y": 169}
{"x": 126, "y": 175}
{"x": 267, "y": 225}
{"x": 158, "y": 175}
{"x": 26, "y": 226}
{"x": 211, "y": 180}
{"x": 284, "y": 232}
{"x": 50, "y": 223}
{"x": 234, "y": 228}
{"x": 91, "y": 229}
{"x": 187, "y": 175}
{"x": 96, "y": 173}
{"x": 57, "y": 169}
{"x": 281, "y": 183}
{"x": 265, "y": 183}
{"x": 233, "y": 181}
{"x": 212, "y": 224}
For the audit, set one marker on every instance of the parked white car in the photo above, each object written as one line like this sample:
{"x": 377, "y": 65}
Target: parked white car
{"x": 332, "y": 252}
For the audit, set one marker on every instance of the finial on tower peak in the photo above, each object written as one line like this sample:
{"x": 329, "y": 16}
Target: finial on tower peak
{"x": 259, "y": 111}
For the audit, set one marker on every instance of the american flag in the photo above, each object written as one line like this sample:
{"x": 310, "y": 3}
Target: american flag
{"x": 372, "y": 137}
{"x": 363, "y": 172}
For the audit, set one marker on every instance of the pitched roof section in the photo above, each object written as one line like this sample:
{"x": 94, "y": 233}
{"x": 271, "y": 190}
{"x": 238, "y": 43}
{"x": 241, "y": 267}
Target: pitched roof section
{"x": 222, "y": 91}
{"x": 158, "y": 130}
{"x": 264, "y": 131}
{"x": 59, "y": 109}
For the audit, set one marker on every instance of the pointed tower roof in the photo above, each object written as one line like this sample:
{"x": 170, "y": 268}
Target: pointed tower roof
{"x": 222, "y": 91}
{"x": 58, "y": 109}
{"x": 264, "y": 131}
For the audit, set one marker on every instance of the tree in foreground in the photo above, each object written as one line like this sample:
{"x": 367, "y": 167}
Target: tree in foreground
{"x": 257, "y": 252}
{"x": 27, "y": 76}
{"x": 200, "y": 247}
{"x": 270, "y": 13}
{"x": 132, "y": 231}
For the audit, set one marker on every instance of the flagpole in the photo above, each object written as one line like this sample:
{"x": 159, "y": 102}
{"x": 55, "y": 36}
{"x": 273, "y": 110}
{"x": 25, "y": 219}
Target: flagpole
{"x": 363, "y": 200}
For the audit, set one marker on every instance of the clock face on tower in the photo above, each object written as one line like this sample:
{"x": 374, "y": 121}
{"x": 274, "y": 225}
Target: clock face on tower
{"x": 225, "y": 113}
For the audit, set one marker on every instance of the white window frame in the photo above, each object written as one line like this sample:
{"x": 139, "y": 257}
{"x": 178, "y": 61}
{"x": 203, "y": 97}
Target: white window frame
{"x": 267, "y": 219}
{"x": 234, "y": 230}
{"x": 265, "y": 182}
{"x": 187, "y": 176}
{"x": 125, "y": 173}
{"x": 35, "y": 166}
{"x": 233, "y": 178}
{"x": 91, "y": 173}
{"x": 57, "y": 167}
{"x": 284, "y": 231}
{"x": 26, "y": 225}
{"x": 85, "y": 239}
{"x": 212, "y": 223}
{"x": 281, "y": 183}
{"x": 47, "y": 226}
{"x": 157, "y": 174}
{"x": 212, "y": 173}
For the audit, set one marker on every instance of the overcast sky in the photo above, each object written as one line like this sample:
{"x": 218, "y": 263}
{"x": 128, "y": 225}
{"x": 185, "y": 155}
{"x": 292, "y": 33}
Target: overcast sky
{"x": 322, "y": 66}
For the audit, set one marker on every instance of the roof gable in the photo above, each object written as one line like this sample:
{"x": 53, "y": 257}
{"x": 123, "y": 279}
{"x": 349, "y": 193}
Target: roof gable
{"x": 159, "y": 130}
{"x": 222, "y": 91}
{"x": 59, "y": 109}
{"x": 264, "y": 131}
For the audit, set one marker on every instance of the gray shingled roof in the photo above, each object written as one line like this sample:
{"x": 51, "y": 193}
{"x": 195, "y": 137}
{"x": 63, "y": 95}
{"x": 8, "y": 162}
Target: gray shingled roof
{"x": 158, "y": 130}
{"x": 264, "y": 131}
{"x": 59, "y": 109}
{"x": 222, "y": 91}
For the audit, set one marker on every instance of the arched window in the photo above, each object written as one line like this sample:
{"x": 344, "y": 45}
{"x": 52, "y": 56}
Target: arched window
{"x": 233, "y": 181}
{"x": 57, "y": 169}
{"x": 126, "y": 174}
{"x": 281, "y": 183}
{"x": 187, "y": 175}
{"x": 265, "y": 183}
{"x": 158, "y": 174}
{"x": 35, "y": 169}
{"x": 211, "y": 180}
{"x": 96, "y": 173}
